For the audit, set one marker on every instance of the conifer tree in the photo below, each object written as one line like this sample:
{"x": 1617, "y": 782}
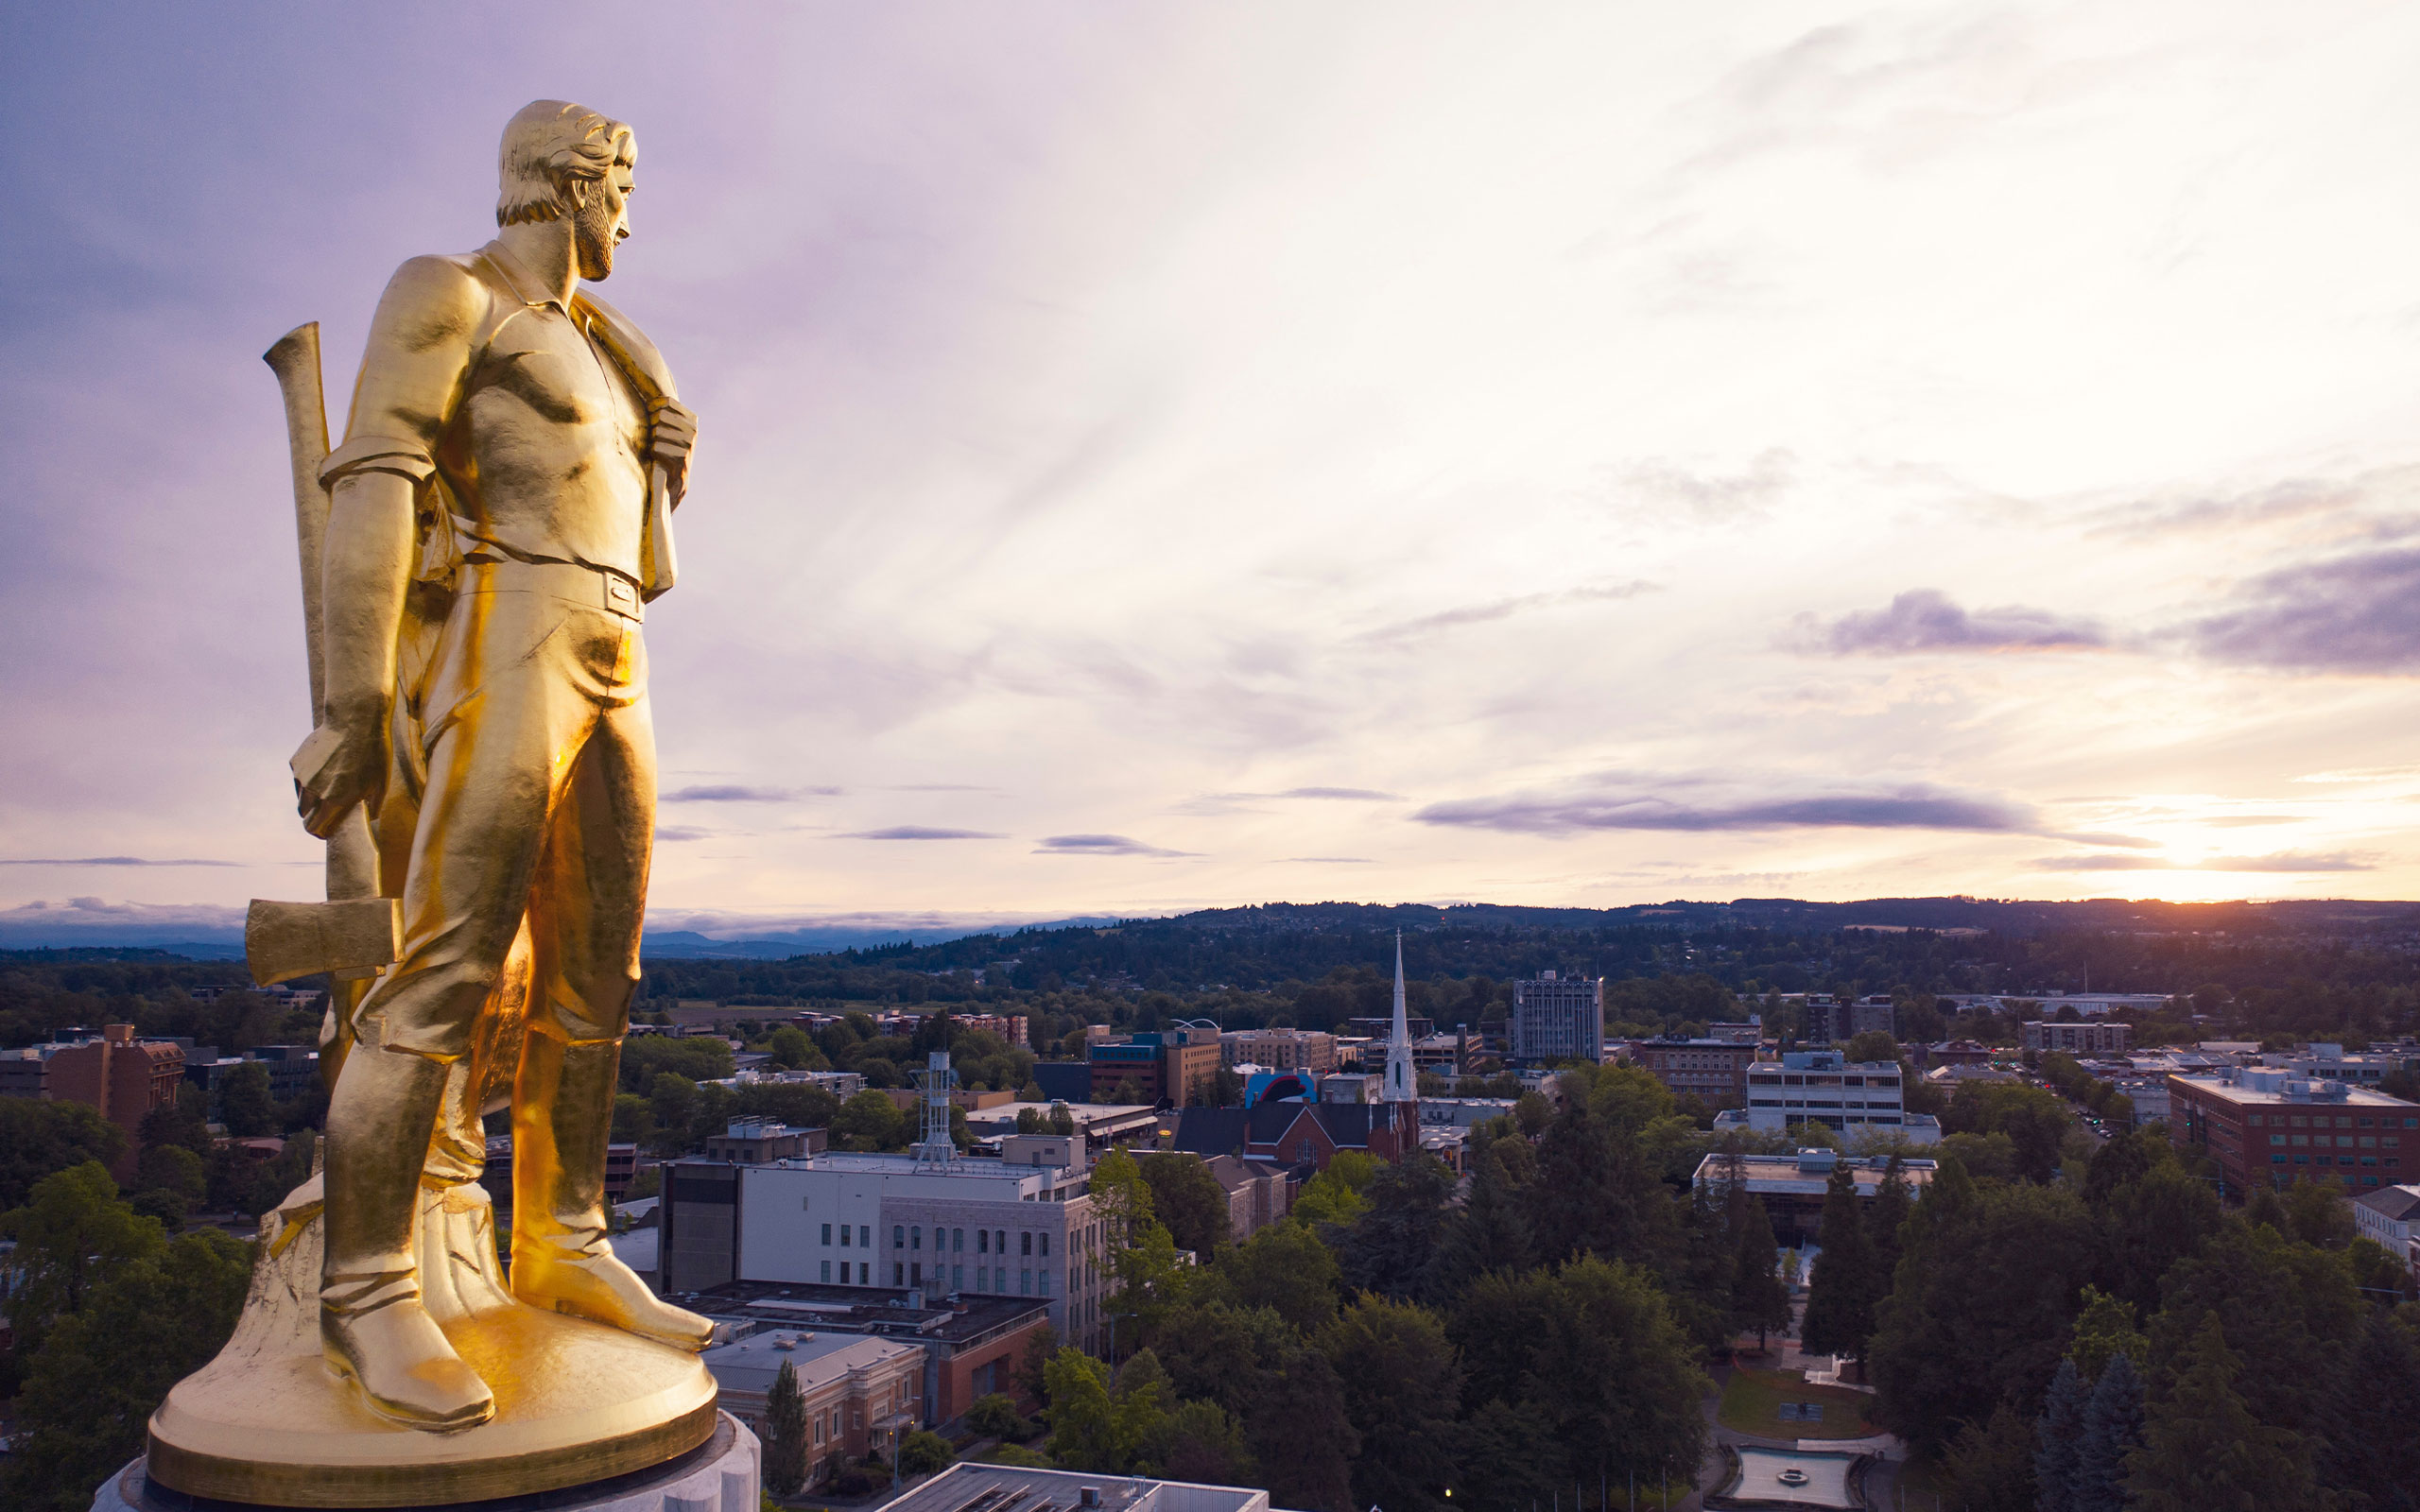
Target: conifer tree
{"x": 2202, "y": 1447}
{"x": 1840, "y": 1303}
{"x": 1890, "y": 1205}
{"x": 1759, "y": 1297}
{"x": 2056, "y": 1441}
{"x": 2113, "y": 1429}
{"x": 785, "y": 1434}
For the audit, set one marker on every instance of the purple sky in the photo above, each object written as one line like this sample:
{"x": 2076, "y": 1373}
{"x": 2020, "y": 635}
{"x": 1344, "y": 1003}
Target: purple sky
{"x": 1161, "y": 456}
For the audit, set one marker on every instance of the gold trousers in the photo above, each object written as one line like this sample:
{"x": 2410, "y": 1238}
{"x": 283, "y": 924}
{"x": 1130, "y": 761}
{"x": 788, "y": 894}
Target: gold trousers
{"x": 539, "y": 810}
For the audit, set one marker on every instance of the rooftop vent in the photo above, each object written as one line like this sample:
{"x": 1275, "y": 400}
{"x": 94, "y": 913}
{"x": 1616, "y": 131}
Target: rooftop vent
{"x": 1089, "y": 1496}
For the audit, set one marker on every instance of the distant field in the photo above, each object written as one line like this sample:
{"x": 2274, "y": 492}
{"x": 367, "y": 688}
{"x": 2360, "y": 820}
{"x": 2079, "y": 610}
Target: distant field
{"x": 1752, "y": 1401}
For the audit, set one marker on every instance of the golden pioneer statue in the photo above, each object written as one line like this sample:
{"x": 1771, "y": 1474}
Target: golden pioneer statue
{"x": 477, "y": 554}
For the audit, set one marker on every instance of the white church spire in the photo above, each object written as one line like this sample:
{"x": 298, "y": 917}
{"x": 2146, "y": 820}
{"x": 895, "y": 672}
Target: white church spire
{"x": 1402, "y": 1085}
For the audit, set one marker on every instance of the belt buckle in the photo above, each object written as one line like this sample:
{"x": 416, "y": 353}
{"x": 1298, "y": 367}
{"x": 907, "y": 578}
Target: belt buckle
{"x": 619, "y": 596}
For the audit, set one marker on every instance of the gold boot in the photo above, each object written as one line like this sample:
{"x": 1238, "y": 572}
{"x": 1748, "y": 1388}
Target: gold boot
{"x": 374, "y": 1331}
{"x": 562, "y": 1117}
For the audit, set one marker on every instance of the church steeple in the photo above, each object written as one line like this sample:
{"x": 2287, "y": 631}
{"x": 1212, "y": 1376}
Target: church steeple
{"x": 1401, "y": 1086}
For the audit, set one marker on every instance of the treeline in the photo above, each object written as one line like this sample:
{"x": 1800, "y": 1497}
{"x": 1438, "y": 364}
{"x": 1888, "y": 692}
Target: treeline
{"x": 1391, "y": 1341}
{"x": 2106, "y": 1334}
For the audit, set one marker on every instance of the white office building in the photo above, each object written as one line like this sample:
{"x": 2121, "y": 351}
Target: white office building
{"x": 1824, "y": 1087}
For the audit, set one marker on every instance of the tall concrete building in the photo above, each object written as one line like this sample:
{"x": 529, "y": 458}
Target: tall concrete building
{"x": 1558, "y": 1018}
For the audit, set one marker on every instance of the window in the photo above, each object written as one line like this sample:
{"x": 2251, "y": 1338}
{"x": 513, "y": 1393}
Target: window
{"x": 958, "y": 1277}
{"x": 1024, "y": 1284}
{"x": 2276, "y": 1159}
{"x": 983, "y": 1278}
{"x": 844, "y": 1236}
{"x": 2302, "y": 1123}
{"x": 865, "y": 1238}
{"x": 2302, "y": 1159}
{"x": 898, "y": 1274}
{"x": 827, "y": 1267}
{"x": 1025, "y": 1244}
{"x": 999, "y": 1241}
{"x": 2366, "y": 1122}
{"x": 827, "y": 1236}
{"x": 916, "y": 1237}
{"x": 1045, "y": 1245}
{"x": 2302, "y": 1139}
{"x": 2368, "y": 1160}
{"x": 2395, "y": 1159}
{"x": 1043, "y": 1276}
{"x": 983, "y": 1241}
{"x": 864, "y": 1274}
{"x": 2344, "y": 1141}
{"x": 2276, "y": 1139}
{"x": 958, "y": 1239}
{"x": 2369, "y": 1142}
{"x": 916, "y": 1274}
{"x": 898, "y": 1236}
{"x": 2344, "y": 1122}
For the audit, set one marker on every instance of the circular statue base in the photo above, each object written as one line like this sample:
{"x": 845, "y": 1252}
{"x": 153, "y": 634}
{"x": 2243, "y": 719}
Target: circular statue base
{"x": 720, "y": 1475}
{"x": 266, "y": 1423}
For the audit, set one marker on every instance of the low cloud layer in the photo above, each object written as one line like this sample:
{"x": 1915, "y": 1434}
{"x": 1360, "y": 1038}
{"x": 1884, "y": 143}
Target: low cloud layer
{"x": 2337, "y": 861}
{"x": 919, "y": 831}
{"x": 1925, "y": 619}
{"x": 2353, "y": 614}
{"x": 1101, "y": 845}
{"x": 732, "y": 793}
{"x": 1621, "y": 802}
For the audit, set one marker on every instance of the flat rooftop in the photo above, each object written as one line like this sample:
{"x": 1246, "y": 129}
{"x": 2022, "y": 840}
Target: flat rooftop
{"x": 2261, "y": 1085}
{"x": 750, "y": 1364}
{"x": 968, "y": 1487}
{"x": 857, "y": 1311}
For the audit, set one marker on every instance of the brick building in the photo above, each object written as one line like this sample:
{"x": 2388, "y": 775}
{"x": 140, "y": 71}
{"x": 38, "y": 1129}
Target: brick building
{"x": 1304, "y": 1050}
{"x": 1292, "y": 1133}
{"x": 861, "y": 1393}
{"x": 1173, "y": 1066}
{"x": 120, "y": 1076}
{"x": 2266, "y": 1127}
{"x": 1715, "y": 1070}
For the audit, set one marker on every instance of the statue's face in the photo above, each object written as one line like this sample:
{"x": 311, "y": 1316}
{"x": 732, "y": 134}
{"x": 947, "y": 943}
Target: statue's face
{"x": 603, "y": 221}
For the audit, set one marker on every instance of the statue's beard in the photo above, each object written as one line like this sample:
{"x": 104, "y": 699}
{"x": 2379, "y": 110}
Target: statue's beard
{"x": 593, "y": 238}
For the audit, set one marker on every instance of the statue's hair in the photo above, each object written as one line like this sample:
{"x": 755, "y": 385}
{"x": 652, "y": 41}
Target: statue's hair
{"x": 552, "y": 151}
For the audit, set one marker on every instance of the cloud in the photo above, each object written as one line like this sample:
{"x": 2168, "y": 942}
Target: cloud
{"x": 918, "y": 831}
{"x": 137, "y": 861}
{"x": 1665, "y": 490}
{"x": 2288, "y": 862}
{"x": 1924, "y": 619}
{"x": 1366, "y": 795}
{"x": 1501, "y": 609}
{"x": 732, "y": 793}
{"x": 1621, "y": 802}
{"x": 2104, "y": 837}
{"x": 1101, "y": 845}
{"x": 2353, "y": 614}
{"x": 1333, "y": 860}
{"x": 677, "y": 832}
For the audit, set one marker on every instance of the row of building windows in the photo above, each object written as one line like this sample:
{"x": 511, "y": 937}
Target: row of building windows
{"x": 990, "y": 1279}
{"x": 2341, "y": 1159}
{"x": 2344, "y": 1141}
{"x": 2299, "y": 1120}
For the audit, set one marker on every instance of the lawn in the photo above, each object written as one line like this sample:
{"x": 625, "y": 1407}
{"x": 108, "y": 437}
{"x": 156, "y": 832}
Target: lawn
{"x": 1752, "y": 1401}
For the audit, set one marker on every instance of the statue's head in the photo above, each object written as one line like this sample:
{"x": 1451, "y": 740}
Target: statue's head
{"x": 559, "y": 160}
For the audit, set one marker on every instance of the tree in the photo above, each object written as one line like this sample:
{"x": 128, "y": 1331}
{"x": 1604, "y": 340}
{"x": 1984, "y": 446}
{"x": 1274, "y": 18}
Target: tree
{"x": 1189, "y": 1199}
{"x": 2372, "y": 1455}
{"x": 2105, "y": 1329}
{"x": 1839, "y": 1304}
{"x": 793, "y": 1051}
{"x": 1301, "y": 1434}
{"x": 2203, "y": 1447}
{"x": 104, "y": 1368}
{"x": 1082, "y": 1431}
{"x": 869, "y": 1121}
{"x": 1872, "y": 1044}
{"x": 2113, "y": 1429}
{"x": 1200, "y": 1443}
{"x": 996, "y": 1416}
{"x": 786, "y": 1433}
{"x": 924, "y": 1453}
{"x": 2056, "y": 1440}
{"x": 1592, "y": 1357}
{"x": 1390, "y": 1249}
{"x": 1285, "y": 1268}
{"x": 2319, "y": 1214}
{"x": 672, "y": 1100}
{"x": 1989, "y": 1465}
{"x": 1488, "y": 1231}
{"x": 37, "y": 1138}
{"x": 1402, "y": 1384}
{"x": 1760, "y": 1296}
{"x": 72, "y": 1237}
{"x": 1062, "y": 1119}
{"x": 1892, "y": 1205}
{"x": 245, "y": 1105}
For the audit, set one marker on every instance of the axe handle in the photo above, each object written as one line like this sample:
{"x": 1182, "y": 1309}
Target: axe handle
{"x": 353, "y": 859}
{"x": 295, "y": 359}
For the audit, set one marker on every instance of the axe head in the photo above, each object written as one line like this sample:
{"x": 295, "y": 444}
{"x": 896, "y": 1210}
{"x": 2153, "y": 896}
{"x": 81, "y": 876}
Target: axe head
{"x": 354, "y": 937}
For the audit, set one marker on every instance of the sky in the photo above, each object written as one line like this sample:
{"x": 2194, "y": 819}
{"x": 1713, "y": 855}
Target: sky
{"x": 1169, "y": 455}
